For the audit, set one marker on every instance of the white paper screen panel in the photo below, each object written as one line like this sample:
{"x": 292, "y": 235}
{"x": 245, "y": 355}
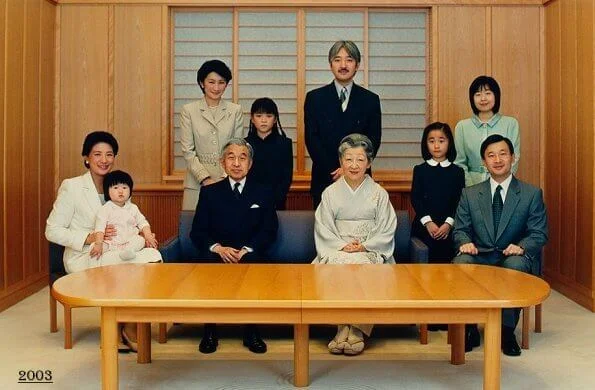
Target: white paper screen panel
{"x": 395, "y": 63}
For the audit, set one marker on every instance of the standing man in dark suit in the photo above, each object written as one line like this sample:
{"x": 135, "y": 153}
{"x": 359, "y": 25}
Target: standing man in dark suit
{"x": 336, "y": 110}
{"x": 500, "y": 222}
{"x": 235, "y": 222}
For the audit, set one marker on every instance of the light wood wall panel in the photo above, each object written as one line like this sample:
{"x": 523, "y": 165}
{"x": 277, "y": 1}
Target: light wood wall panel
{"x": 137, "y": 89}
{"x": 2, "y": 133}
{"x": 461, "y": 57}
{"x": 570, "y": 142}
{"x": 569, "y": 134}
{"x": 553, "y": 125}
{"x": 84, "y": 76}
{"x": 25, "y": 25}
{"x": 585, "y": 268}
{"x": 15, "y": 32}
{"x": 31, "y": 136}
{"x": 47, "y": 134}
{"x": 515, "y": 65}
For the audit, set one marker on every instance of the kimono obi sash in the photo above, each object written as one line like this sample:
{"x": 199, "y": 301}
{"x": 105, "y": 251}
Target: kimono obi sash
{"x": 355, "y": 229}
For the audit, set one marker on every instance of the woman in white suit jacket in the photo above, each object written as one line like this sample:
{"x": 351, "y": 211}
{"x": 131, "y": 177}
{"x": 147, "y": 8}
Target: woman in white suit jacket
{"x": 72, "y": 220}
{"x": 206, "y": 125}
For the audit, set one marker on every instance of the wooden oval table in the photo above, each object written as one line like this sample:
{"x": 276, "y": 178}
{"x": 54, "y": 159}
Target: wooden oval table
{"x": 301, "y": 295}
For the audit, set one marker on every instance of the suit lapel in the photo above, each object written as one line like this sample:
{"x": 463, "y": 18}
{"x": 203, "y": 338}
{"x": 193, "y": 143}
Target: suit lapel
{"x": 333, "y": 99}
{"x": 485, "y": 205}
{"x": 221, "y": 112}
{"x": 513, "y": 196}
{"x": 90, "y": 192}
{"x": 205, "y": 112}
{"x": 353, "y": 98}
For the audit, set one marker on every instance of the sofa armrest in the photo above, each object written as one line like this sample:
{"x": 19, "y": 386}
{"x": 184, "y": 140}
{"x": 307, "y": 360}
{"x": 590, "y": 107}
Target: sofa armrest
{"x": 171, "y": 250}
{"x": 419, "y": 251}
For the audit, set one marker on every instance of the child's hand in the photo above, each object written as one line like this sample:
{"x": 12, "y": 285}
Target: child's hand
{"x": 432, "y": 229}
{"x": 97, "y": 250}
{"x": 151, "y": 241}
{"x": 443, "y": 231}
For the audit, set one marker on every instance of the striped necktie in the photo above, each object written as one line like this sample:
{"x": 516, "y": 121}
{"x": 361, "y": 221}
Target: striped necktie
{"x": 343, "y": 98}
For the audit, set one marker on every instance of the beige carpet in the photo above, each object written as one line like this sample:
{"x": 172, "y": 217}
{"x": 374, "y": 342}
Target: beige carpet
{"x": 562, "y": 357}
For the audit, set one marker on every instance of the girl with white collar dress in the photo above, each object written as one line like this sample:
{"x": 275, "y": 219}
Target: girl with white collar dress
{"x": 435, "y": 192}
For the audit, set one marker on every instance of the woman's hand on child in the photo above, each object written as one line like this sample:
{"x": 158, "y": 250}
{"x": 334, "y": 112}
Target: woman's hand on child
{"x": 442, "y": 232}
{"x": 110, "y": 231}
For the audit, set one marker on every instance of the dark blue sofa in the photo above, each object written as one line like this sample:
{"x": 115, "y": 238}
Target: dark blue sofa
{"x": 295, "y": 240}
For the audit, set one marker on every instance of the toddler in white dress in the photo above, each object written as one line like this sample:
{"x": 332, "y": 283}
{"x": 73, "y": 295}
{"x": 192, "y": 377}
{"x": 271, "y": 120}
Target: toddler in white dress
{"x": 124, "y": 216}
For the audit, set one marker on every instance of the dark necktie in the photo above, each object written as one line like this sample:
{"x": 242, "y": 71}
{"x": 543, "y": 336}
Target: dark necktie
{"x": 497, "y": 206}
{"x": 236, "y": 190}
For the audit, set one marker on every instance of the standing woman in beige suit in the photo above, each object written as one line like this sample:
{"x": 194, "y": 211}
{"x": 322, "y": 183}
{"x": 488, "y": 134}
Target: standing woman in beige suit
{"x": 207, "y": 125}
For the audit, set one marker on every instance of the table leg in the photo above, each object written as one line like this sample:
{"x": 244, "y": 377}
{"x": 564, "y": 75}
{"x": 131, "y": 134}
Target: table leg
{"x": 301, "y": 341}
{"x": 109, "y": 349}
{"x": 456, "y": 333}
{"x": 491, "y": 363}
{"x": 143, "y": 335}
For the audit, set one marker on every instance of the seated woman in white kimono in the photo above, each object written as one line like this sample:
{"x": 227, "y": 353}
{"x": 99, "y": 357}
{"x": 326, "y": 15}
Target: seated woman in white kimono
{"x": 355, "y": 224}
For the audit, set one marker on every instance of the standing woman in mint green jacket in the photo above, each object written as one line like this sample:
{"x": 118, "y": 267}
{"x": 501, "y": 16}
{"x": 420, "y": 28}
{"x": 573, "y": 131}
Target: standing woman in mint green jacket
{"x": 484, "y": 97}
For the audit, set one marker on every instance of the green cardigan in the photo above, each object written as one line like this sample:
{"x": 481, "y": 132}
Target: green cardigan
{"x": 471, "y": 132}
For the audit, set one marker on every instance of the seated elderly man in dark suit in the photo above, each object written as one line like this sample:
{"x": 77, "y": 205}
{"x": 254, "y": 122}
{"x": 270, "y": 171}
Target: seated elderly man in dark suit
{"x": 500, "y": 222}
{"x": 235, "y": 222}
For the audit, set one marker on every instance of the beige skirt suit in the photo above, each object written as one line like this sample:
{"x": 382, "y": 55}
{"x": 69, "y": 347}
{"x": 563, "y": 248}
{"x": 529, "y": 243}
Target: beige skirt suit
{"x": 204, "y": 131}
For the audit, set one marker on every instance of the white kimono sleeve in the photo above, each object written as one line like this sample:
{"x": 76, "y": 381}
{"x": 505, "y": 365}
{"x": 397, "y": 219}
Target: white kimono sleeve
{"x": 381, "y": 238}
{"x": 326, "y": 235}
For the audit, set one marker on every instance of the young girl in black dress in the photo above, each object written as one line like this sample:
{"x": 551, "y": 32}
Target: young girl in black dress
{"x": 273, "y": 155}
{"x": 435, "y": 192}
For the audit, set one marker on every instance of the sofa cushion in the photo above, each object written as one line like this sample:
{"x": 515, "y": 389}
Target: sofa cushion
{"x": 402, "y": 236}
{"x": 189, "y": 251}
{"x": 295, "y": 238}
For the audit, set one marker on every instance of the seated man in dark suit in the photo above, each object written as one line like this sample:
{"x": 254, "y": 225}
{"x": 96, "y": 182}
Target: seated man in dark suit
{"x": 235, "y": 222}
{"x": 500, "y": 222}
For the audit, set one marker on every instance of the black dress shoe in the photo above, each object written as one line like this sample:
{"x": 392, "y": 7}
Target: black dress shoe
{"x": 253, "y": 341}
{"x": 209, "y": 341}
{"x": 471, "y": 337}
{"x": 510, "y": 347}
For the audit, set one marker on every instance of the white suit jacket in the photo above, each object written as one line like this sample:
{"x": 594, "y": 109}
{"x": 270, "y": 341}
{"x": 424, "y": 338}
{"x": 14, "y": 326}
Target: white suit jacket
{"x": 73, "y": 218}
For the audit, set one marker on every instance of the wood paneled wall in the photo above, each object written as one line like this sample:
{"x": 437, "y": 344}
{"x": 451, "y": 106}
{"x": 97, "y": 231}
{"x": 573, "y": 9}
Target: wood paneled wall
{"x": 113, "y": 59}
{"x": 27, "y": 144}
{"x": 570, "y": 145}
{"x": 504, "y": 42}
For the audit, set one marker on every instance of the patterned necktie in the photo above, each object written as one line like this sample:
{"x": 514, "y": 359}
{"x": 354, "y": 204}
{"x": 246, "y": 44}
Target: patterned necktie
{"x": 236, "y": 190}
{"x": 343, "y": 98}
{"x": 497, "y": 206}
